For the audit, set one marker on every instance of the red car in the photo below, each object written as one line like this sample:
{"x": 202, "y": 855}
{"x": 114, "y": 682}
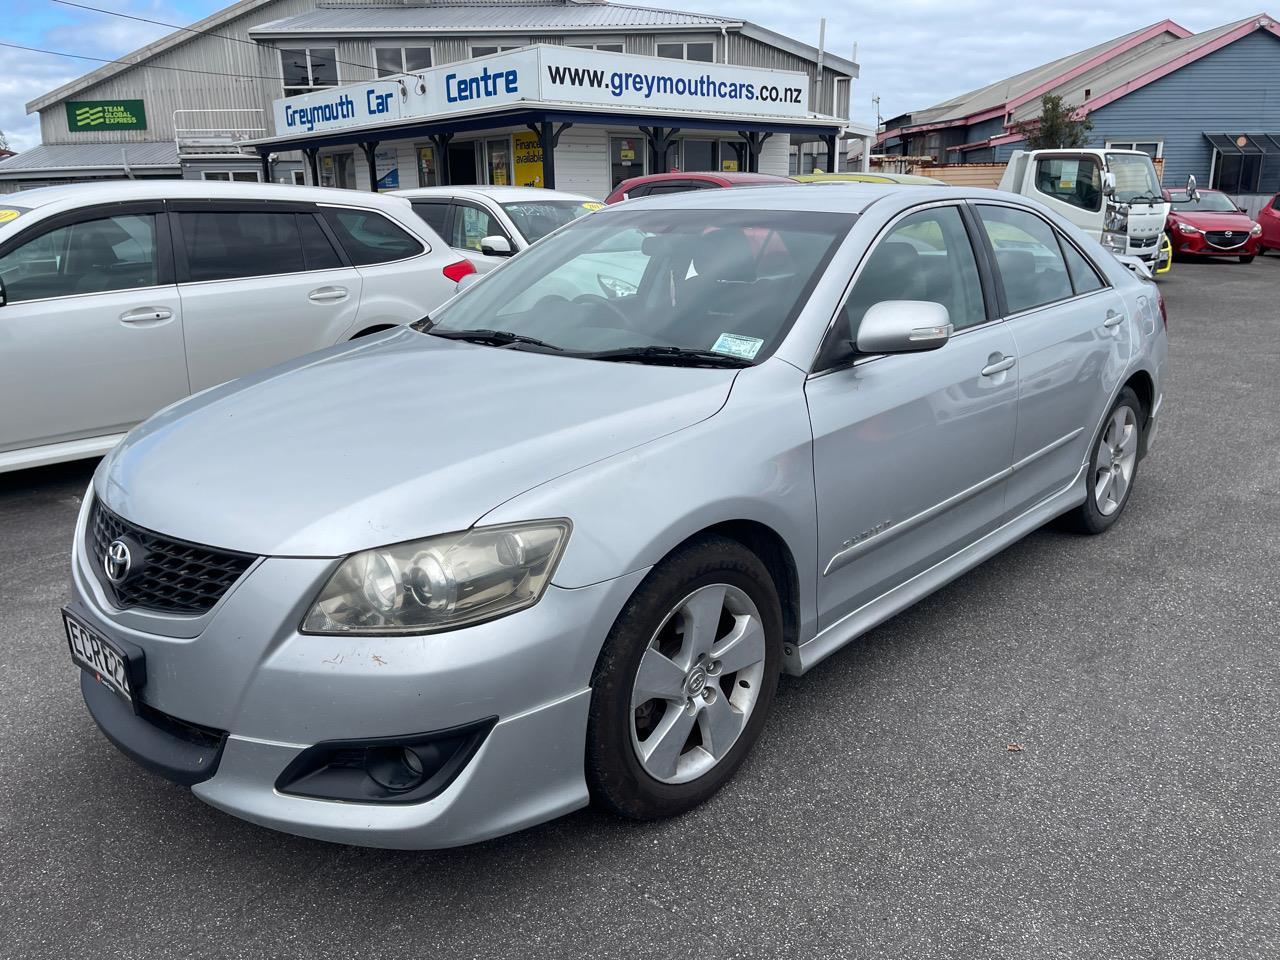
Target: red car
{"x": 656, "y": 183}
{"x": 1269, "y": 220}
{"x": 1211, "y": 226}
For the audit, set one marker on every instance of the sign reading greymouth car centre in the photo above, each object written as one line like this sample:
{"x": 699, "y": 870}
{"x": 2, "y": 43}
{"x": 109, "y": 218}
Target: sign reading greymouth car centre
{"x": 549, "y": 74}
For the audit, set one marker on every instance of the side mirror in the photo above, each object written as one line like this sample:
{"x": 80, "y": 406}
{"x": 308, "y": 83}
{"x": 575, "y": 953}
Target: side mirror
{"x": 496, "y": 247}
{"x": 1192, "y": 193}
{"x": 904, "y": 326}
{"x": 1109, "y": 183}
{"x": 470, "y": 280}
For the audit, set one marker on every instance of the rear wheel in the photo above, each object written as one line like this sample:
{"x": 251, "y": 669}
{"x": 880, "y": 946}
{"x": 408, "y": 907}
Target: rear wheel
{"x": 684, "y": 682}
{"x": 1113, "y": 467}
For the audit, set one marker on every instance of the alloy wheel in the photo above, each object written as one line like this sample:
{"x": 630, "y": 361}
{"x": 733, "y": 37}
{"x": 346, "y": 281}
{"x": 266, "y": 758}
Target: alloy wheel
{"x": 1116, "y": 459}
{"x": 697, "y": 683}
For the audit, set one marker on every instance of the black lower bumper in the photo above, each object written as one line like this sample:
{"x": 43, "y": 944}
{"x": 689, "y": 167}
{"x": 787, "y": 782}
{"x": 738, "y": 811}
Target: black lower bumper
{"x": 182, "y": 752}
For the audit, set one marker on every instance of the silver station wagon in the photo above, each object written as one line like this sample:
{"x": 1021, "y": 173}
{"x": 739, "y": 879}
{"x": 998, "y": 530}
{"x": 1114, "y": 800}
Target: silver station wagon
{"x": 555, "y": 542}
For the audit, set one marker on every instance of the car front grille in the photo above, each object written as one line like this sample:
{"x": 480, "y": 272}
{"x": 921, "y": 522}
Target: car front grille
{"x": 165, "y": 575}
{"x": 1227, "y": 239}
{"x": 1141, "y": 243}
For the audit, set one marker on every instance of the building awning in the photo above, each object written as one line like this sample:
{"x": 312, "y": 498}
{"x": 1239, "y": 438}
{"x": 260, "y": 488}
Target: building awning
{"x": 1245, "y": 144}
{"x": 55, "y": 159}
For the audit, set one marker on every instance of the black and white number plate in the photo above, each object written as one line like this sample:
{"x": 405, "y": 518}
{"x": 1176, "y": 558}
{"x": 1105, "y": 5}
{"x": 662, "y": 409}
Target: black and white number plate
{"x": 101, "y": 657}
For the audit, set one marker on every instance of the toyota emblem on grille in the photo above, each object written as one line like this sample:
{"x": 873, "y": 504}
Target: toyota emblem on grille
{"x": 117, "y": 561}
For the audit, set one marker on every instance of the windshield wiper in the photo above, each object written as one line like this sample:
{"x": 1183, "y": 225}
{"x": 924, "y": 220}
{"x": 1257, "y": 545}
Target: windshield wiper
{"x": 497, "y": 338}
{"x": 1149, "y": 197}
{"x": 672, "y": 356}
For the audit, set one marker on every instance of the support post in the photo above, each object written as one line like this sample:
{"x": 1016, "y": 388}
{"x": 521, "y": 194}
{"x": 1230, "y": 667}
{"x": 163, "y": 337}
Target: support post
{"x": 313, "y": 164}
{"x": 266, "y": 167}
{"x": 660, "y": 140}
{"x": 370, "y": 147}
{"x": 441, "y": 143}
{"x": 831, "y": 152}
{"x": 754, "y": 140}
{"x": 547, "y": 140}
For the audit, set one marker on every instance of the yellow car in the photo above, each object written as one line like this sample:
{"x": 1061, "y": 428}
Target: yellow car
{"x": 819, "y": 177}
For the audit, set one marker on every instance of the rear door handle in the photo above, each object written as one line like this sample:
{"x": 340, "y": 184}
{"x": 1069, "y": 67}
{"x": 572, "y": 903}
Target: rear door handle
{"x": 998, "y": 366}
{"x": 146, "y": 315}
{"x": 327, "y": 294}
{"x": 1113, "y": 319}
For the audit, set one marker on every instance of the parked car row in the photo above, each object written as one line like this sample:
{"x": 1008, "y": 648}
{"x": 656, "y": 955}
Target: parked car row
{"x": 555, "y": 541}
{"x": 1207, "y": 223}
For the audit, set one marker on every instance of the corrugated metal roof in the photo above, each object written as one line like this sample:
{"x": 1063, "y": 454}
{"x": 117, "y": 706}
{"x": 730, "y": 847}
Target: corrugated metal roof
{"x": 79, "y": 156}
{"x": 489, "y": 17}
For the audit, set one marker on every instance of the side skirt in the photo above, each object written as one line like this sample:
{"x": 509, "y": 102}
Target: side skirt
{"x": 894, "y": 601}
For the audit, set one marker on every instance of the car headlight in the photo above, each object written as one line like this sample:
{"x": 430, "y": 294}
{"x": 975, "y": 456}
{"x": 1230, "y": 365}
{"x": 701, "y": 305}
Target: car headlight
{"x": 1185, "y": 227}
{"x": 1255, "y": 230}
{"x": 1115, "y": 242}
{"x": 440, "y": 583}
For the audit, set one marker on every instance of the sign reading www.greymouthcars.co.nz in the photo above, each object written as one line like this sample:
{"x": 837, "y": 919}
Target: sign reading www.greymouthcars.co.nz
{"x": 549, "y": 74}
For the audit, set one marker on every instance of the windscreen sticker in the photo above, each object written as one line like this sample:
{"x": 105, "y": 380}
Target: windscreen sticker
{"x": 592, "y": 205}
{"x": 735, "y": 345}
{"x": 7, "y": 215}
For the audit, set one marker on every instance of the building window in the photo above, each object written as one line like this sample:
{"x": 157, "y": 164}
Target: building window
{"x": 299, "y": 178}
{"x": 232, "y": 176}
{"x": 393, "y": 60}
{"x": 307, "y": 70}
{"x": 602, "y": 47}
{"x": 704, "y": 52}
{"x": 1236, "y": 173}
{"x": 484, "y": 51}
{"x": 1152, "y": 148}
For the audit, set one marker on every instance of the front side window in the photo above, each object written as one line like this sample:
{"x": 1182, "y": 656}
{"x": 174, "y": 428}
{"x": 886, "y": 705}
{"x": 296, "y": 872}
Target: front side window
{"x": 471, "y": 225}
{"x": 96, "y": 256}
{"x": 668, "y": 279}
{"x": 370, "y": 237}
{"x": 307, "y": 69}
{"x": 1028, "y": 258}
{"x": 1073, "y": 180}
{"x": 389, "y": 61}
{"x": 925, "y": 256}
{"x": 226, "y": 245}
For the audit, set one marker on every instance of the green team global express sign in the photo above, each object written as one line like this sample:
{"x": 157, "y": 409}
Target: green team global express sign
{"x": 106, "y": 115}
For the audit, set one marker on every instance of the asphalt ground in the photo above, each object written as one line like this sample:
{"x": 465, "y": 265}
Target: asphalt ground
{"x": 884, "y": 814}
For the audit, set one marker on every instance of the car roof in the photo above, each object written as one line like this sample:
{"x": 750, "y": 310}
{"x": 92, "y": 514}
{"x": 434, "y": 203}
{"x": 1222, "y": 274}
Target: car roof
{"x": 501, "y": 194}
{"x": 729, "y": 177}
{"x": 872, "y": 177}
{"x": 853, "y": 197}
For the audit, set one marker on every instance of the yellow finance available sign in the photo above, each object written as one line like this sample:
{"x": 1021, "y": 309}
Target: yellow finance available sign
{"x": 528, "y": 157}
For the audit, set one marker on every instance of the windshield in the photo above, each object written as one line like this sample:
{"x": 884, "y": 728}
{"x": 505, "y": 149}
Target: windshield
{"x": 536, "y": 218}
{"x": 1136, "y": 178}
{"x": 726, "y": 281}
{"x": 1216, "y": 202}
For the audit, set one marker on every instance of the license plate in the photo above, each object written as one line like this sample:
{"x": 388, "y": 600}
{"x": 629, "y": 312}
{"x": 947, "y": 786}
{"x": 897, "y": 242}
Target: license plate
{"x": 99, "y": 656}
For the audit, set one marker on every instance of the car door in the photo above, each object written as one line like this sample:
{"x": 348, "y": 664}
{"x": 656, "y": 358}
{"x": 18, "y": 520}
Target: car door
{"x": 260, "y": 283}
{"x": 469, "y": 223}
{"x": 91, "y": 333}
{"x": 1070, "y": 186}
{"x": 1073, "y": 337}
{"x": 1269, "y": 218}
{"x": 910, "y": 451}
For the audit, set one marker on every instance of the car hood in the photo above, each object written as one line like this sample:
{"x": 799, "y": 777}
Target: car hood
{"x": 399, "y": 437}
{"x": 1207, "y": 220}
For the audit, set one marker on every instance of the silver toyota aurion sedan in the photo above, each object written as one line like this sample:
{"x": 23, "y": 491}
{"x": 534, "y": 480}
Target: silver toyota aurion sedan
{"x": 540, "y": 549}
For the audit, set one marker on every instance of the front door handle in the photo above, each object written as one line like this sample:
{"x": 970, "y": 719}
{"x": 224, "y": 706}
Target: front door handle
{"x": 1113, "y": 319}
{"x": 327, "y": 294}
{"x": 998, "y": 366}
{"x": 144, "y": 316}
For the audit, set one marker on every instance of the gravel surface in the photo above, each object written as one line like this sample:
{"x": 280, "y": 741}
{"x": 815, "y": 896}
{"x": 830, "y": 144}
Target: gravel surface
{"x": 883, "y": 814}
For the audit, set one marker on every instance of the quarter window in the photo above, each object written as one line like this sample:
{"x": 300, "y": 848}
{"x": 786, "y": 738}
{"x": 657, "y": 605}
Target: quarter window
{"x": 925, "y": 256}
{"x": 1073, "y": 180}
{"x": 305, "y": 70}
{"x": 1028, "y": 257}
{"x": 96, "y": 256}
{"x": 227, "y": 245}
{"x": 369, "y": 237}
{"x": 393, "y": 60}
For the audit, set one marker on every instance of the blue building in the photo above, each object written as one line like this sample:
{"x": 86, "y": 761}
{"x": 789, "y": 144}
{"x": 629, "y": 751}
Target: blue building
{"x": 1207, "y": 103}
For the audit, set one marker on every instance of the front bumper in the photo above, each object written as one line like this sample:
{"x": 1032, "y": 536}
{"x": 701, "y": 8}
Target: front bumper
{"x": 1196, "y": 245}
{"x": 243, "y": 671}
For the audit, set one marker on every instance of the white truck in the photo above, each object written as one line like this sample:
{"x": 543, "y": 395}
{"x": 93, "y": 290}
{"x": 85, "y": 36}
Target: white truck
{"x": 1112, "y": 194}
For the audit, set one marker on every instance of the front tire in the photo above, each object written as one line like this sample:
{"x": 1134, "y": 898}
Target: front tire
{"x": 684, "y": 681}
{"x": 1247, "y": 259}
{"x": 1113, "y": 467}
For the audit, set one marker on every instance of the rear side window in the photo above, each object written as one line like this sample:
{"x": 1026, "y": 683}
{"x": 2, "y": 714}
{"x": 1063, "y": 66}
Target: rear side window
{"x": 1073, "y": 180}
{"x": 226, "y": 245}
{"x": 677, "y": 186}
{"x": 316, "y": 248}
{"x": 1029, "y": 259}
{"x": 369, "y": 237}
{"x": 1084, "y": 277}
{"x": 95, "y": 256}
{"x": 434, "y": 212}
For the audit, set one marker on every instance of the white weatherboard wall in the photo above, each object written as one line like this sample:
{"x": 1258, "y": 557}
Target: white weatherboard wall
{"x": 582, "y": 161}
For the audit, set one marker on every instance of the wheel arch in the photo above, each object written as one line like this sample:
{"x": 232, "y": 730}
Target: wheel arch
{"x": 1141, "y": 383}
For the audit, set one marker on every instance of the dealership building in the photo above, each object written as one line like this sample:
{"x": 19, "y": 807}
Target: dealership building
{"x": 1205, "y": 103}
{"x": 388, "y": 94}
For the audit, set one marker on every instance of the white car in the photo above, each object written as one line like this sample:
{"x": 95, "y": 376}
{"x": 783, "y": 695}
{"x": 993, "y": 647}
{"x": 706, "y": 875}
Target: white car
{"x": 489, "y": 224}
{"x": 119, "y": 299}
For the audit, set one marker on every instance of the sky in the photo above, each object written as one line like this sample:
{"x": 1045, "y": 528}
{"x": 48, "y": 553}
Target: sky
{"x": 913, "y": 53}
